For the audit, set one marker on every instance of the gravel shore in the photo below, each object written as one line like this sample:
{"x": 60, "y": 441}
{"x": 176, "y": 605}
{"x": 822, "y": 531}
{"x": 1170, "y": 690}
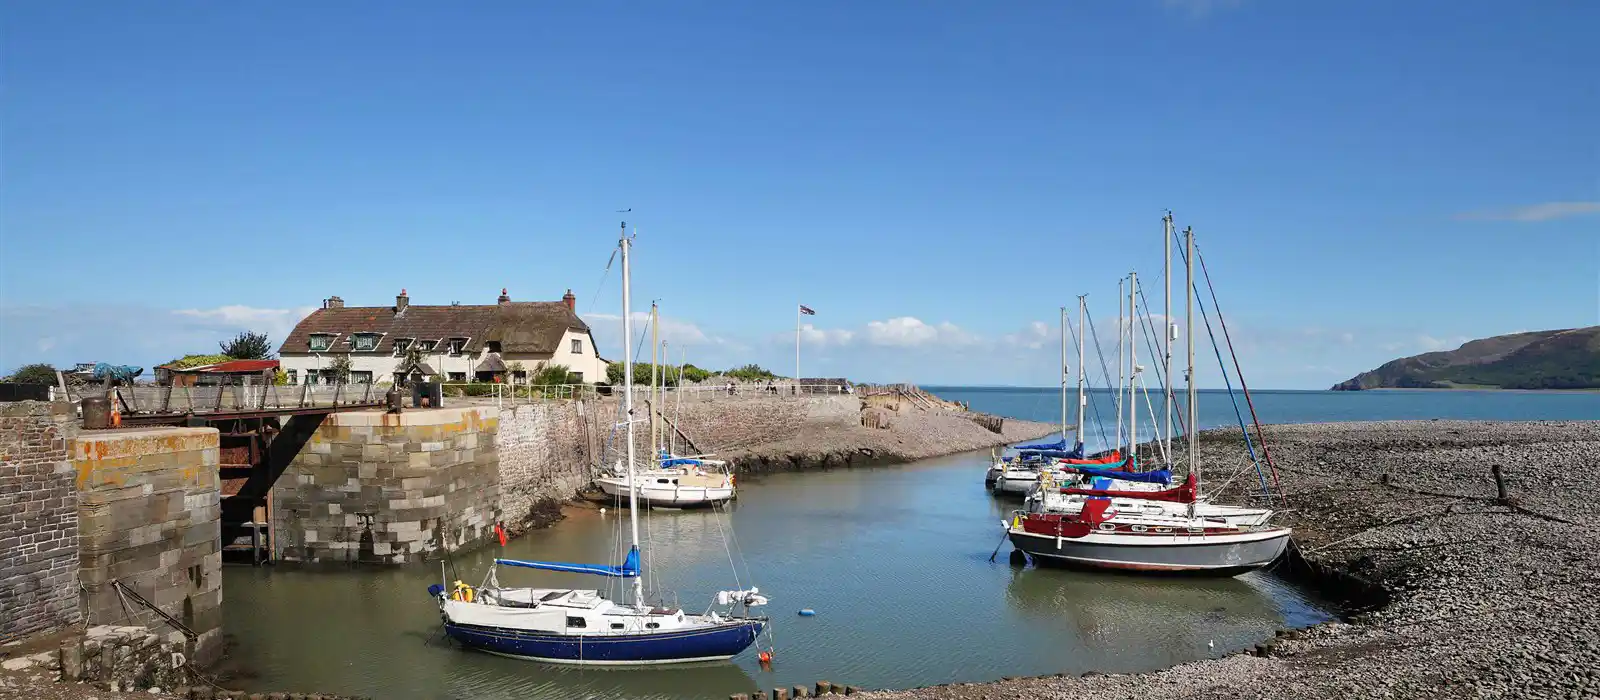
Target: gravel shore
{"x": 1485, "y": 598}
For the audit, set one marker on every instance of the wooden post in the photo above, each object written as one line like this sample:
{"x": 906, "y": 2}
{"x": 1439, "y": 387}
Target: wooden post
{"x": 824, "y": 688}
{"x": 851, "y": 690}
{"x": 780, "y": 694}
{"x": 800, "y": 691}
{"x": 1499, "y": 484}
{"x": 739, "y": 696}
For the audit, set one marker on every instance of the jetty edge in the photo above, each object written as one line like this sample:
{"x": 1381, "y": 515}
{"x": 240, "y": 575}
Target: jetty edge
{"x": 1453, "y": 587}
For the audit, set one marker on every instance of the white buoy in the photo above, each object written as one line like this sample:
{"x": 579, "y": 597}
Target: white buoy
{"x": 602, "y": 511}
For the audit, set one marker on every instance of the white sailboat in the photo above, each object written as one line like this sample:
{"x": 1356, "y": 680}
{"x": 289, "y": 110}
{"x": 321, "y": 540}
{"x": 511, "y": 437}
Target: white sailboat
{"x": 583, "y": 626}
{"x": 671, "y": 481}
{"x": 1129, "y": 533}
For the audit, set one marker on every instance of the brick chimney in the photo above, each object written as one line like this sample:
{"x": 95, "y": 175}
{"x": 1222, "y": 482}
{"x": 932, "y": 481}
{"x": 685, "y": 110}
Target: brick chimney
{"x": 570, "y": 301}
{"x": 333, "y": 303}
{"x": 504, "y": 298}
{"x": 401, "y": 301}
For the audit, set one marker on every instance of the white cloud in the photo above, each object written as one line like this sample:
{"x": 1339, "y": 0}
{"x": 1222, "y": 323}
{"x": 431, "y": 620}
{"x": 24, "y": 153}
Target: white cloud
{"x": 811, "y": 335}
{"x": 276, "y": 323}
{"x": 675, "y": 332}
{"x": 1033, "y": 337}
{"x": 136, "y": 335}
{"x": 1544, "y": 211}
{"x": 910, "y": 331}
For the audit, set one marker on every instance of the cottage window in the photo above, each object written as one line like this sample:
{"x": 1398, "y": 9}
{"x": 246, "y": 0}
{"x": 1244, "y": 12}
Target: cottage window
{"x": 320, "y": 342}
{"x": 360, "y": 377}
{"x": 577, "y": 346}
{"x": 401, "y": 345}
{"x": 457, "y": 345}
{"x": 365, "y": 342}
{"x": 458, "y": 376}
{"x": 292, "y": 374}
{"x": 494, "y": 346}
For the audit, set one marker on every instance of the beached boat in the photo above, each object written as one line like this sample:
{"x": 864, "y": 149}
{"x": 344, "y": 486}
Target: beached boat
{"x": 1123, "y": 530}
{"x": 584, "y": 626}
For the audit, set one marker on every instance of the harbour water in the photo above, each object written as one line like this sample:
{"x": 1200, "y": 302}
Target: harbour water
{"x": 894, "y": 560}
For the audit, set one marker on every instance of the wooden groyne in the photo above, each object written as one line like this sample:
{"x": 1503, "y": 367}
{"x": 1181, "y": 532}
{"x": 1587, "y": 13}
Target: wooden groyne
{"x": 822, "y": 688}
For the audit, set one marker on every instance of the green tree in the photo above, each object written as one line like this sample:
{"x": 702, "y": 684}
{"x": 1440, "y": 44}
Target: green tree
{"x": 340, "y": 366}
{"x": 411, "y": 358}
{"x": 247, "y": 345}
{"x": 38, "y": 373}
{"x": 280, "y": 378}
{"x": 692, "y": 373}
{"x": 552, "y": 375}
{"x": 751, "y": 373}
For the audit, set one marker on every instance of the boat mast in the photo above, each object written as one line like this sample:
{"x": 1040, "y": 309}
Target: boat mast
{"x": 1064, "y": 372}
{"x": 1133, "y": 370}
{"x": 1082, "y": 373}
{"x": 1188, "y": 340}
{"x": 627, "y": 398}
{"x": 1120, "y": 367}
{"x": 655, "y": 360}
{"x": 1169, "y": 327}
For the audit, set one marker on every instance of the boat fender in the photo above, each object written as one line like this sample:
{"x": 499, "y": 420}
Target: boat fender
{"x": 807, "y": 612}
{"x": 765, "y": 657}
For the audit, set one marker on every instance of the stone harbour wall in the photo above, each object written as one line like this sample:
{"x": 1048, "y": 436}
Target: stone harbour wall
{"x": 371, "y": 486}
{"x": 546, "y": 455}
{"x": 149, "y": 516}
{"x": 38, "y": 519}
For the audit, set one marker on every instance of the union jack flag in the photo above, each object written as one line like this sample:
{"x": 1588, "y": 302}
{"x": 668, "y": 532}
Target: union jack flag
{"x": 807, "y": 310}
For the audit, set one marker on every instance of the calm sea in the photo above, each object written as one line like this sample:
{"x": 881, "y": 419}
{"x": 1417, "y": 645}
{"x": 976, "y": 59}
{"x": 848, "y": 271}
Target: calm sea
{"x": 1217, "y": 408}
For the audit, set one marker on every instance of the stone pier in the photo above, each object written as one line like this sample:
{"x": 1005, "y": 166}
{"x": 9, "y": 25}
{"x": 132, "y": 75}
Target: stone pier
{"x": 38, "y": 519}
{"x": 149, "y": 516}
{"x": 371, "y": 486}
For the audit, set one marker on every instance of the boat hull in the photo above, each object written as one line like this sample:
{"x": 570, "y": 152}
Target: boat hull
{"x": 1205, "y": 555}
{"x": 670, "y": 496}
{"x": 676, "y": 646}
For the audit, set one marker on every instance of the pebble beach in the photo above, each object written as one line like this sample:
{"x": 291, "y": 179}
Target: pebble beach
{"x": 1468, "y": 595}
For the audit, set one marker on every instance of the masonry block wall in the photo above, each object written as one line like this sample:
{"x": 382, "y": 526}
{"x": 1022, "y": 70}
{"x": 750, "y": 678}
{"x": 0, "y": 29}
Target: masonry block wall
{"x": 730, "y": 423}
{"x": 38, "y": 519}
{"x": 546, "y": 452}
{"x": 392, "y": 488}
{"x": 149, "y": 515}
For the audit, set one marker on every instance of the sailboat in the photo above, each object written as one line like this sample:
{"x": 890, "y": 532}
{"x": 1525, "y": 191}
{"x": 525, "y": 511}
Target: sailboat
{"x": 583, "y": 626}
{"x": 1019, "y": 474}
{"x": 1105, "y": 533}
{"x": 673, "y": 481}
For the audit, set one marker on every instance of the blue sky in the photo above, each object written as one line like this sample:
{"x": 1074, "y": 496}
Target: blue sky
{"x": 1367, "y": 179}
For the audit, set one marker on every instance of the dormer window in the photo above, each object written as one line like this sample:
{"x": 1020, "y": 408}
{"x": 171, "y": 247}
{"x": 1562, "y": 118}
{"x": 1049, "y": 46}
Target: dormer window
{"x": 365, "y": 342}
{"x": 428, "y": 345}
{"x": 494, "y": 346}
{"x": 401, "y": 345}
{"x": 320, "y": 342}
{"x": 457, "y": 346}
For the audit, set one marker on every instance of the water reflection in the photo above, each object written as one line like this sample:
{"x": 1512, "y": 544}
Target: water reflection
{"x": 1166, "y": 619}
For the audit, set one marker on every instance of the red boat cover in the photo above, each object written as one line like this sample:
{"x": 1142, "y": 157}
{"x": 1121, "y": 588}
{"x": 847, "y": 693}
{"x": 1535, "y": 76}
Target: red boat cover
{"x": 1114, "y": 457}
{"x": 1094, "y": 511}
{"x": 1182, "y": 494}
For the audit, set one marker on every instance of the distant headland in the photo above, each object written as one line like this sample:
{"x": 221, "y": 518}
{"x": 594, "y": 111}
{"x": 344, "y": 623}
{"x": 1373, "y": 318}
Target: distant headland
{"x": 1559, "y": 359}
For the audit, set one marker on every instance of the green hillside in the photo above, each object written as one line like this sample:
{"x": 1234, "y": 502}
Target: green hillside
{"x": 1561, "y": 359}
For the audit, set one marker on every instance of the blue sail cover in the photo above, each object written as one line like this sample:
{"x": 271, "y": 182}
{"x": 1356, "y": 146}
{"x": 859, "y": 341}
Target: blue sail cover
{"x": 676, "y": 461}
{"x": 1075, "y": 453}
{"x": 629, "y": 568}
{"x": 1057, "y": 445}
{"x": 1158, "y": 476}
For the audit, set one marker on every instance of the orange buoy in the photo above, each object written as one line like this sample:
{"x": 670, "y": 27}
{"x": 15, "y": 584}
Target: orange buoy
{"x": 765, "y": 657}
